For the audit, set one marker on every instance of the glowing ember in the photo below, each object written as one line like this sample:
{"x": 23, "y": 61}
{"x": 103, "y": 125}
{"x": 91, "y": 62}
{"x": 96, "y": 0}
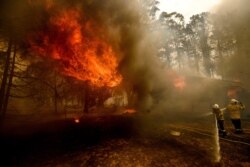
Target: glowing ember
{"x": 73, "y": 43}
{"x": 179, "y": 83}
{"x": 77, "y": 121}
{"x": 129, "y": 111}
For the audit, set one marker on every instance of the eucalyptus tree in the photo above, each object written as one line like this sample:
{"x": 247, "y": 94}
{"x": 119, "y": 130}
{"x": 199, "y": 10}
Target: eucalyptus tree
{"x": 150, "y": 7}
{"x": 191, "y": 45}
{"x": 234, "y": 21}
{"x": 13, "y": 26}
{"x": 173, "y": 38}
{"x": 6, "y": 54}
{"x": 224, "y": 42}
{"x": 200, "y": 26}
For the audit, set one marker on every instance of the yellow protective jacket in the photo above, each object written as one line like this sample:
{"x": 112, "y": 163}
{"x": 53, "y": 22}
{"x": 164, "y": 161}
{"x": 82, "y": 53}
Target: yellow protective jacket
{"x": 234, "y": 110}
{"x": 219, "y": 113}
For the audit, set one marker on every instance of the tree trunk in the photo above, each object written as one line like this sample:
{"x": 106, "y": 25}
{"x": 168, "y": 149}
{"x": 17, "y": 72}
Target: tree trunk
{"x": 197, "y": 63}
{"x": 86, "y": 99}
{"x": 55, "y": 100}
{"x": 196, "y": 56}
{"x": 206, "y": 53}
{"x": 5, "y": 77}
{"x": 168, "y": 59}
{"x": 221, "y": 59}
{"x": 179, "y": 59}
{"x": 55, "y": 95}
{"x": 6, "y": 101}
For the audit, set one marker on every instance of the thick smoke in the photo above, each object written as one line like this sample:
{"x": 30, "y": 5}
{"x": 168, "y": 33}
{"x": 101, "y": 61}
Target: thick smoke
{"x": 125, "y": 26}
{"x": 127, "y": 31}
{"x": 236, "y": 14}
{"x": 131, "y": 37}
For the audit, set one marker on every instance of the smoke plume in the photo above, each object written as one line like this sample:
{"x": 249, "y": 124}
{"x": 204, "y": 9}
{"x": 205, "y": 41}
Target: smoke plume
{"x": 236, "y": 14}
{"x": 123, "y": 25}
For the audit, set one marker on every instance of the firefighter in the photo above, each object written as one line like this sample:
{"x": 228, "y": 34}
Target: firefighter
{"x": 234, "y": 108}
{"x": 219, "y": 114}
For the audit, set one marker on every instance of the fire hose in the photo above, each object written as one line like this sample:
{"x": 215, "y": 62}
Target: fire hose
{"x": 210, "y": 135}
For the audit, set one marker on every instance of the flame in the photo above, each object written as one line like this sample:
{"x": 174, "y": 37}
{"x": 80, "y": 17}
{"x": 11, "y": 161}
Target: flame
{"x": 179, "y": 82}
{"x": 129, "y": 111}
{"x": 76, "y": 120}
{"x": 232, "y": 93}
{"x": 73, "y": 43}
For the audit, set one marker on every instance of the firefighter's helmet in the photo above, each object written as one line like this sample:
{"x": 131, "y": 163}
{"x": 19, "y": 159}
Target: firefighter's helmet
{"x": 216, "y": 106}
{"x": 233, "y": 101}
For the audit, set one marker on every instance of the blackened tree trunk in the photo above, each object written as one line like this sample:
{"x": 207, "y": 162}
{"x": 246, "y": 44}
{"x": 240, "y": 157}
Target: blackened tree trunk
{"x": 205, "y": 49}
{"x": 86, "y": 99}
{"x": 55, "y": 93}
{"x": 5, "y": 78}
{"x": 55, "y": 100}
{"x": 7, "y": 95}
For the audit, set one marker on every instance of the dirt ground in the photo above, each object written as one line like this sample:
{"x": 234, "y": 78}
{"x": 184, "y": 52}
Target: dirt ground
{"x": 124, "y": 140}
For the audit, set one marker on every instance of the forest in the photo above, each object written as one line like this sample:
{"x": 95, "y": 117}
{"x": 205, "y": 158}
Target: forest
{"x": 118, "y": 83}
{"x": 207, "y": 45}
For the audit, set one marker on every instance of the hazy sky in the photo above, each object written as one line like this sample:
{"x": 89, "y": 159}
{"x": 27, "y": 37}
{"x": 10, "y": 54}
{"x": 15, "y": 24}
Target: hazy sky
{"x": 187, "y": 7}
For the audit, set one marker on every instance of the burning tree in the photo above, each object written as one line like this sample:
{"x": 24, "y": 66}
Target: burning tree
{"x": 77, "y": 47}
{"x": 74, "y": 43}
{"x": 99, "y": 45}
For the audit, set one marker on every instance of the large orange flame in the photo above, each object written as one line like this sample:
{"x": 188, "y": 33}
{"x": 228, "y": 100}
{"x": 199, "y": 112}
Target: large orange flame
{"x": 75, "y": 44}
